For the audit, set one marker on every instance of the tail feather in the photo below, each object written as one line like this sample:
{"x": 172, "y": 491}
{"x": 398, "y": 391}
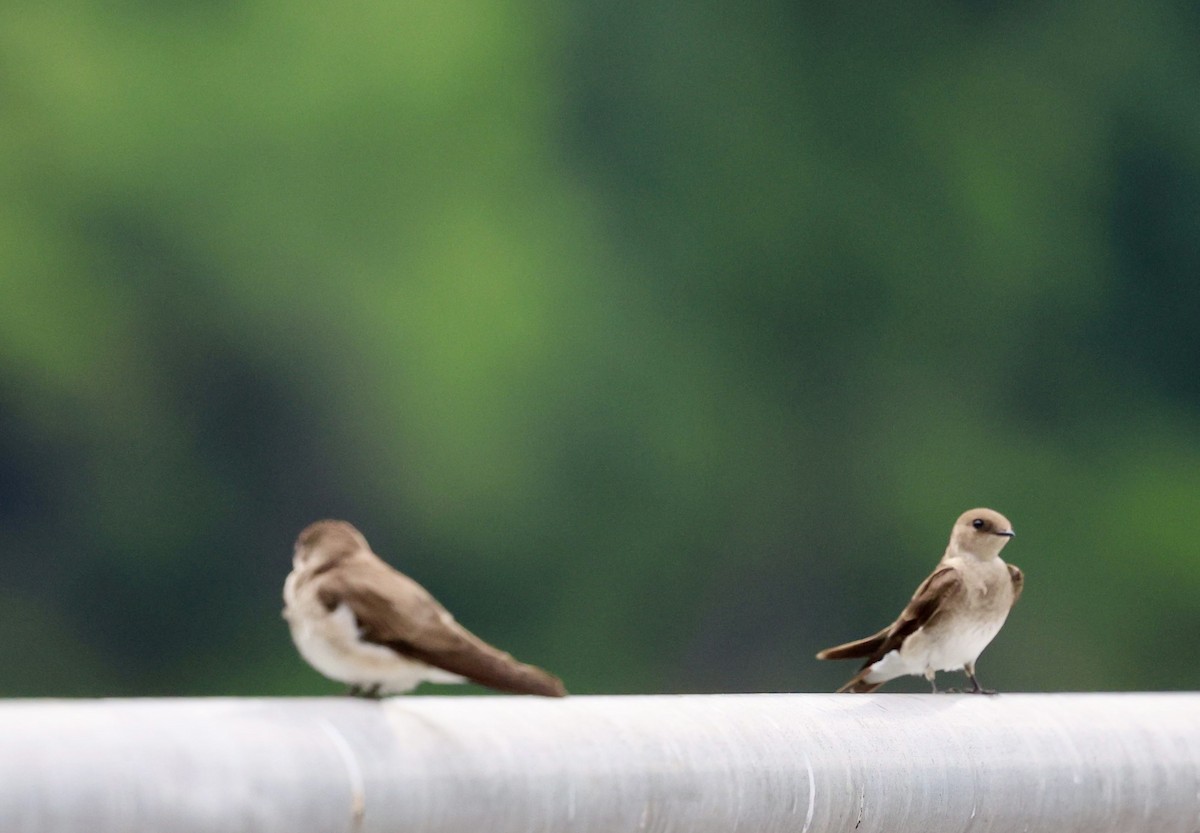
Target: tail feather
{"x": 864, "y": 647}
{"x": 486, "y": 665}
{"x": 858, "y": 684}
{"x": 869, "y": 647}
{"x": 520, "y": 678}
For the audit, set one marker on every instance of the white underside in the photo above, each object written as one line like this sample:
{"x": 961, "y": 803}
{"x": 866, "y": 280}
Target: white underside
{"x": 950, "y": 648}
{"x": 331, "y": 643}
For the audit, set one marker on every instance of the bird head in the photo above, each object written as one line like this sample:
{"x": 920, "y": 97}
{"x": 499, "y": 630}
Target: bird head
{"x": 325, "y": 543}
{"x": 981, "y": 532}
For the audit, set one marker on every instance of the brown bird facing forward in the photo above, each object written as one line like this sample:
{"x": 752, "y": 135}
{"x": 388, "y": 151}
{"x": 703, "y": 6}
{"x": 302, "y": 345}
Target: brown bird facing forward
{"x": 953, "y": 615}
{"x": 358, "y": 621}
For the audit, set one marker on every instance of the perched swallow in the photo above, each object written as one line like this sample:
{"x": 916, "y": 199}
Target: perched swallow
{"x": 358, "y": 621}
{"x": 953, "y": 615}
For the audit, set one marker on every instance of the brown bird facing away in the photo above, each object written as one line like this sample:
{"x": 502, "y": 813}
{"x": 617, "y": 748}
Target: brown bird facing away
{"x": 953, "y": 615}
{"x": 358, "y": 621}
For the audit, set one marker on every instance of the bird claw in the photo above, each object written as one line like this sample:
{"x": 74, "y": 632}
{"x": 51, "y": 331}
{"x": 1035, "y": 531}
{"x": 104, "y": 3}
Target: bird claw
{"x": 978, "y": 689}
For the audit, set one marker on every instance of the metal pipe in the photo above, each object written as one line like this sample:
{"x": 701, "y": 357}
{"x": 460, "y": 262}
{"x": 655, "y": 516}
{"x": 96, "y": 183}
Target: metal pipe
{"x": 794, "y": 763}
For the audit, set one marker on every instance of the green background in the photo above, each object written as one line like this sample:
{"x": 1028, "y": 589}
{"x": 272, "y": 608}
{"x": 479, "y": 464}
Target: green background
{"x": 662, "y": 341}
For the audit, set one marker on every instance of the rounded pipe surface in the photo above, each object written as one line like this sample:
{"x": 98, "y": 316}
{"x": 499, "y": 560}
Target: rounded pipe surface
{"x": 770, "y": 763}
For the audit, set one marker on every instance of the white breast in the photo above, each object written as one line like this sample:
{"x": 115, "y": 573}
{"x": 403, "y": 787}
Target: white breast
{"x": 953, "y": 642}
{"x": 954, "y": 647}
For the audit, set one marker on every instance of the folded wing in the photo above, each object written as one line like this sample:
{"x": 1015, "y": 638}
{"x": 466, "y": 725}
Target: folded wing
{"x": 394, "y": 611}
{"x": 934, "y": 593}
{"x": 1018, "y": 581}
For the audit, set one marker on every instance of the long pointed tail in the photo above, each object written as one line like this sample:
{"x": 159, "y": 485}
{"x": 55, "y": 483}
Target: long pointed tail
{"x": 864, "y": 647}
{"x": 858, "y": 684}
{"x": 487, "y": 665}
{"x": 869, "y": 647}
{"x": 499, "y": 670}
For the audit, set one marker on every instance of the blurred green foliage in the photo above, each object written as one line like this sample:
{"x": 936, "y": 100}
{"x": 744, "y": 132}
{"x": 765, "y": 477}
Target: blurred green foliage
{"x": 663, "y": 342}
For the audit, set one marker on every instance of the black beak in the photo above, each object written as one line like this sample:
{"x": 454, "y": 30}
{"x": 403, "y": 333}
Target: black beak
{"x": 1008, "y": 533}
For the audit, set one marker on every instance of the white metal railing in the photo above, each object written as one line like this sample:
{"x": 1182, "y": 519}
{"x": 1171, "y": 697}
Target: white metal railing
{"x": 800, "y": 763}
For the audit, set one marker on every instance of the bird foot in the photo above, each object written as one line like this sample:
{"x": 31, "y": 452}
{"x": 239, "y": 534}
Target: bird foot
{"x": 976, "y": 688}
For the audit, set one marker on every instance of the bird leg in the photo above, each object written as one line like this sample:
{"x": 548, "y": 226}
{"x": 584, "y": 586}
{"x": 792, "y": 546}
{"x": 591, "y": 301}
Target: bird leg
{"x": 978, "y": 689}
{"x": 372, "y": 691}
{"x": 931, "y": 675}
{"x": 353, "y": 690}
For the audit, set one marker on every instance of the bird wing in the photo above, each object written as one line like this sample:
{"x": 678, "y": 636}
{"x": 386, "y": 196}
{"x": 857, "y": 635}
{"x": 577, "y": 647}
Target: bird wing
{"x": 394, "y": 611}
{"x": 1018, "y": 581}
{"x": 943, "y": 584}
{"x": 942, "y": 587}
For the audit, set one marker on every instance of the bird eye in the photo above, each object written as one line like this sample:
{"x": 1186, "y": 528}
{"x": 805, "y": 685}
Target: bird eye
{"x": 977, "y": 523}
